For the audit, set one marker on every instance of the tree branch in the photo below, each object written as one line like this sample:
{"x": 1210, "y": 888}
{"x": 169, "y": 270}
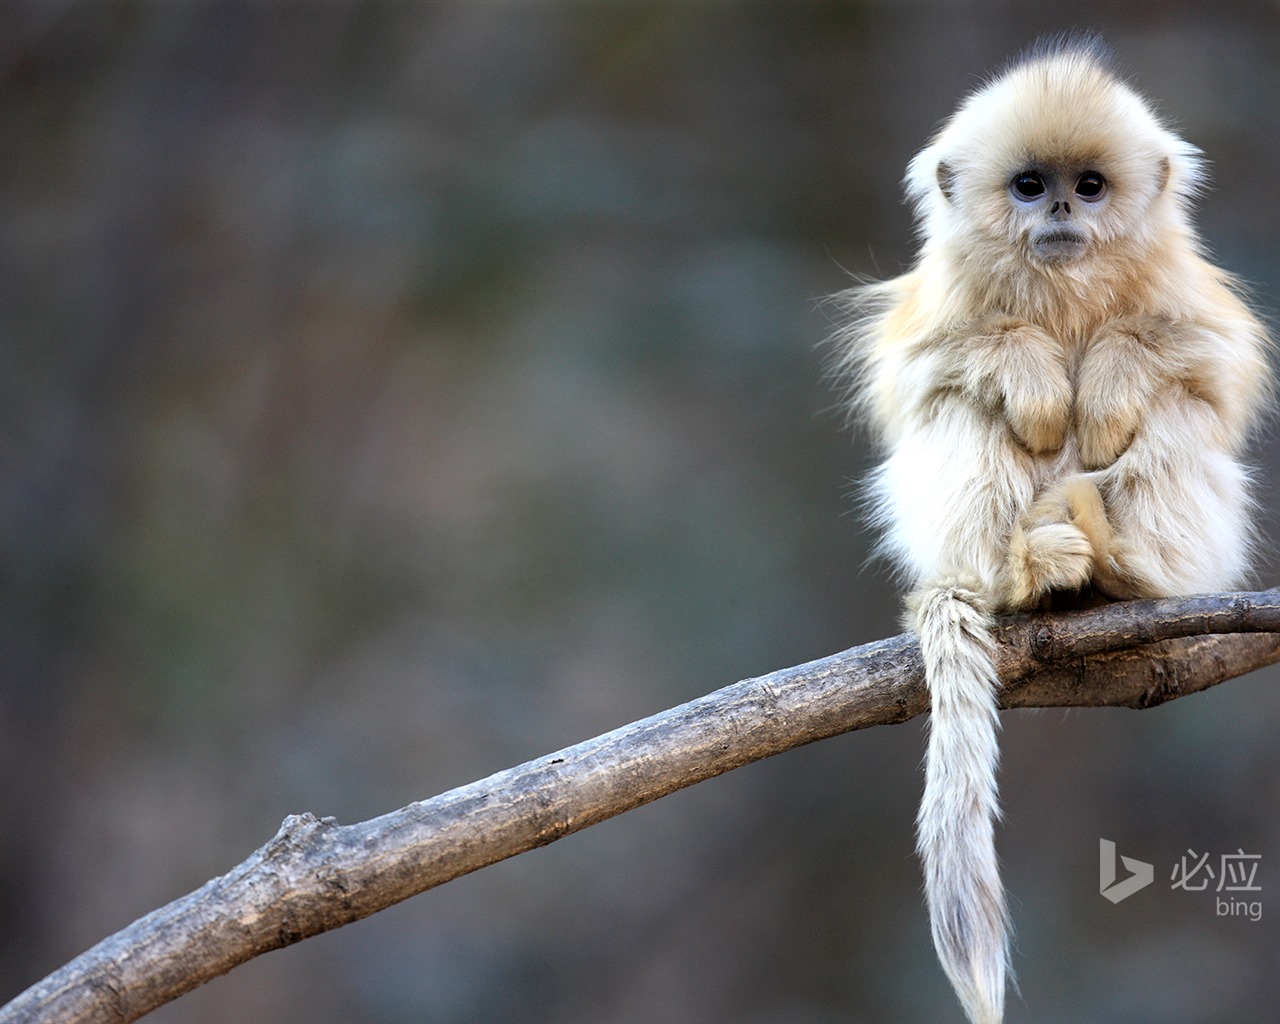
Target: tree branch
{"x": 315, "y": 875}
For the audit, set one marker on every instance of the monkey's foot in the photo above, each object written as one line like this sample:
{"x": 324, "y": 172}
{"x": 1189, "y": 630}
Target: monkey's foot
{"x": 1052, "y": 556}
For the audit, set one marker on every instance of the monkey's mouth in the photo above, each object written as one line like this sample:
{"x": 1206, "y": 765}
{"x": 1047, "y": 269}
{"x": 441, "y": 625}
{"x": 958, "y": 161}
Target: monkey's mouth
{"x": 1059, "y": 245}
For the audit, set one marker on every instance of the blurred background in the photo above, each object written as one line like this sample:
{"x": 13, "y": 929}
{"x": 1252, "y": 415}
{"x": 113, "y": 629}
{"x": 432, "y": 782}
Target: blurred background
{"x": 396, "y": 392}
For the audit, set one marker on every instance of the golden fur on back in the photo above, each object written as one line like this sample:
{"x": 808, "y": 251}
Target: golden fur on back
{"x": 1063, "y": 386}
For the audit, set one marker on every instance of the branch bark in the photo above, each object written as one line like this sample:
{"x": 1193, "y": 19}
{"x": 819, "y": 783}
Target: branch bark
{"x": 315, "y": 875}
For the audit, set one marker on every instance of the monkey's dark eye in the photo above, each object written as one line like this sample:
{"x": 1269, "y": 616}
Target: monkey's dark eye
{"x": 1028, "y": 185}
{"x": 1090, "y": 185}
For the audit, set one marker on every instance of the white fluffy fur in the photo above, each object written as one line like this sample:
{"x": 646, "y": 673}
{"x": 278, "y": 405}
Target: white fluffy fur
{"x": 1049, "y": 425}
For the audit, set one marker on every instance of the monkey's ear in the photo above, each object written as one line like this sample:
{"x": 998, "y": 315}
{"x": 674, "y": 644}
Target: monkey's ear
{"x": 1165, "y": 169}
{"x": 946, "y": 180}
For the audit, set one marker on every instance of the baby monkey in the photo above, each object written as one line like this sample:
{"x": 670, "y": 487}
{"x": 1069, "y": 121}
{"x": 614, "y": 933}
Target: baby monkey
{"x": 1063, "y": 386}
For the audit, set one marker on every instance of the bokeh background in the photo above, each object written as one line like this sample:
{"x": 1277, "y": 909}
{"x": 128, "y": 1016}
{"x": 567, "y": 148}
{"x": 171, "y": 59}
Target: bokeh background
{"x": 395, "y": 392}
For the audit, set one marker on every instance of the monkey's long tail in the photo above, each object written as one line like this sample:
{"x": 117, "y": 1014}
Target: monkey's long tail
{"x": 958, "y": 812}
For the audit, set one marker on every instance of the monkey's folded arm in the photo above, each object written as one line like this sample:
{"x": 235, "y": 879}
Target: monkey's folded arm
{"x": 1006, "y": 368}
{"x": 950, "y": 492}
{"x": 966, "y": 415}
{"x": 1177, "y": 502}
{"x": 1162, "y": 408}
{"x": 1016, "y": 372}
{"x": 1133, "y": 359}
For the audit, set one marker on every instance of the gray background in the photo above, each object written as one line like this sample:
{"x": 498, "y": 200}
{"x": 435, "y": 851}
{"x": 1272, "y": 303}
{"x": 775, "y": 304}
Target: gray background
{"x": 396, "y": 392}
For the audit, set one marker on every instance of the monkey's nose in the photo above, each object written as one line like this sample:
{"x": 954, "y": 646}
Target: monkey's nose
{"x": 1060, "y": 209}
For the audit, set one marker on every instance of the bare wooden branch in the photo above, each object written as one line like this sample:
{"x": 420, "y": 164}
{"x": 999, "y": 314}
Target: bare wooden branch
{"x": 315, "y": 875}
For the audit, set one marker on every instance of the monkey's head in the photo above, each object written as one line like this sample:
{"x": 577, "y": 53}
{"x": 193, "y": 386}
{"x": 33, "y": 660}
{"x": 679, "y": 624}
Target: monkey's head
{"x": 1055, "y": 164}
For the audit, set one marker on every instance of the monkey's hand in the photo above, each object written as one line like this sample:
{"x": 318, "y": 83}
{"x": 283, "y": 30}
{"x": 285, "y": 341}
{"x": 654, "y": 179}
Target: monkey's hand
{"x": 1123, "y": 367}
{"x": 1019, "y": 373}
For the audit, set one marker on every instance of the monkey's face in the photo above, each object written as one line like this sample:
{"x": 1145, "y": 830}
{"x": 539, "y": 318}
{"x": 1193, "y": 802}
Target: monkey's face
{"x": 1058, "y": 167}
{"x": 1058, "y": 209}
